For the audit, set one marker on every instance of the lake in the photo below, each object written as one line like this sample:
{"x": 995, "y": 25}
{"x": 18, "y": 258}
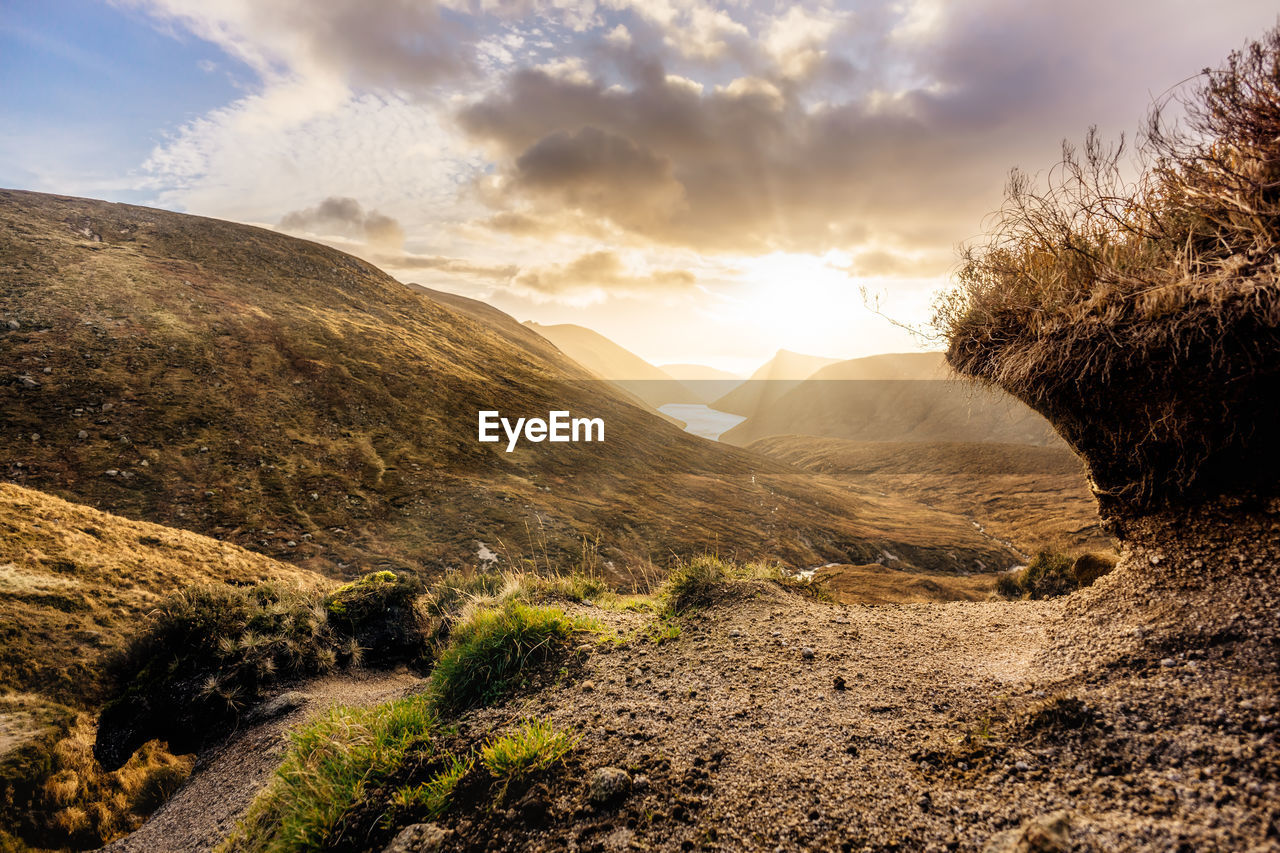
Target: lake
{"x": 702, "y": 420}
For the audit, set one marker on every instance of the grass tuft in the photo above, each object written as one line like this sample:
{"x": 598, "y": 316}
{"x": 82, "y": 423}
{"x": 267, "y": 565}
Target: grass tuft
{"x": 490, "y": 648}
{"x": 331, "y": 765}
{"x": 1051, "y": 574}
{"x": 534, "y": 746}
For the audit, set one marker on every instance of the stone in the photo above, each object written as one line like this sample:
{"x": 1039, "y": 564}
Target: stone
{"x": 82, "y": 434}
{"x": 14, "y": 325}
{"x": 288, "y": 701}
{"x": 807, "y": 653}
{"x": 607, "y": 783}
{"x": 419, "y": 838}
{"x": 28, "y": 382}
{"x": 1045, "y": 834}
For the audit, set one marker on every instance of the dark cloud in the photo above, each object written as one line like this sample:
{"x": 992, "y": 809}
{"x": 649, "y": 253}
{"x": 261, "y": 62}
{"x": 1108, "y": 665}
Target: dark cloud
{"x": 347, "y": 218}
{"x": 902, "y": 141}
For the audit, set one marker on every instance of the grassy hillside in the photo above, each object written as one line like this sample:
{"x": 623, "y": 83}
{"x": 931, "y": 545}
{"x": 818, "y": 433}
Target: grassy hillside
{"x": 895, "y": 397}
{"x": 75, "y": 581}
{"x": 297, "y": 401}
{"x": 620, "y": 366}
{"x": 770, "y": 381}
{"x": 75, "y": 585}
{"x": 1032, "y": 497}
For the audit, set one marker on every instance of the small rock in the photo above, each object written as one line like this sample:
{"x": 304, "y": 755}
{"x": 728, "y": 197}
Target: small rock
{"x": 637, "y": 673}
{"x": 106, "y": 407}
{"x": 419, "y": 838}
{"x": 204, "y": 449}
{"x": 1045, "y": 834}
{"x": 291, "y": 543}
{"x": 1156, "y": 559}
{"x": 807, "y": 653}
{"x": 288, "y": 701}
{"x": 47, "y": 370}
{"x": 584, "y": 649}
{"x": 82, "y": 434}
{"x": 1021, "y": 766}
{"x": 35, "y": 436}
{"x": 1168, "y": 662}
{"x": 315, "y": 496}
{"x": 112, "y": 472}
{"x": 607, "y": 783}
{"x": 28, "y": 382}
{"x": 640, "y": 782}
{"x": 14, "y": 325}
{"x": 735, "y": 633}
{"x": 588, "y": 686}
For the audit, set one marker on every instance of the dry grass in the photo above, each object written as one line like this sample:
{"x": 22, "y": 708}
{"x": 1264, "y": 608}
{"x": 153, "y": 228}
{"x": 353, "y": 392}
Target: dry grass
{"x": 298, "y": 402}
{"x": 54, "y": 794}
{"x": 1142, "y": 318}
{"x": 1030, "y": 497}
{"x": 878, "y": 584}
{"x": 75, "y": 581}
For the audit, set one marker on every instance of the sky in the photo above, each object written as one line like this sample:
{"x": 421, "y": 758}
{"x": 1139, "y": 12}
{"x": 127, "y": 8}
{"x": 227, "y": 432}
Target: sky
{"x": 701, "y": 182}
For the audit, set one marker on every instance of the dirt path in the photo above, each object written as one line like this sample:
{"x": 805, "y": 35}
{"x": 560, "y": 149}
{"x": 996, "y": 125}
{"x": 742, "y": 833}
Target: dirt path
{"x": 736, "y": 728}
{"x": 777, "y": 723}
{"x": 219, "y": 792}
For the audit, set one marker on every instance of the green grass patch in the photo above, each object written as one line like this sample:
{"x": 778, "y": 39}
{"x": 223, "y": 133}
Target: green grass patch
{"x": 433, "y": 797}
{"x": 331, "y": 764}
{"x": 489, "y": 649}
{"x": 210, "y": 652}
{"x": 534, "y": 746}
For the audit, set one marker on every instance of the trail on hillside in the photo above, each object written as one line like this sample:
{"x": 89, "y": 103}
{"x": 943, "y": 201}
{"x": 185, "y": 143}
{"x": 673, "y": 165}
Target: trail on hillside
{"x": 777, "y": 722}
{"x": 225, "y": 781}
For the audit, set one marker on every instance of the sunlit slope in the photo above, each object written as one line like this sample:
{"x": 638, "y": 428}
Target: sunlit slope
{"x": 769, "y": 382}
{"x": 290, "y": 398}
{"x": 896, "y": 397}
{"x": 617, "y": 364}
{"x": 1033, "y": 497}
{"x": 74, "y": 582}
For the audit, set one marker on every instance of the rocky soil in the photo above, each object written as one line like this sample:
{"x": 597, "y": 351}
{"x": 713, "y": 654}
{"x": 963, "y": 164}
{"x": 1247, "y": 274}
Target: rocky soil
{"x": 1142, "y": 714}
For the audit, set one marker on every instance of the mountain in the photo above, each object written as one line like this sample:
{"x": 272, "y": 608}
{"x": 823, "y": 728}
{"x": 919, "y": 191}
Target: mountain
{"x": 896, "y": 397}
{"x": 297, "y": 401}
{"x": 698, "y": 373}
{"x": 770, "y": 381}
{"x": 495, "y": 320}
{"x": 520, "y": 334}
{"x": 1032, "y": 497}
{"x": 707, "y": 383}
{"x": 620, "y": 366}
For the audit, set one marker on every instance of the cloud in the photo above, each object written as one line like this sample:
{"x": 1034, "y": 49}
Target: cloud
{"x": 346, "y": 217}
{"x": 591, "y": 276}
{"x": 405, "y": 45}
{"x": 889, "y": 126}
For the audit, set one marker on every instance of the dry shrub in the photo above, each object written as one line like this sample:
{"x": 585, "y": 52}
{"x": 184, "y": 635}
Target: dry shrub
{"x": 1142, "y": 315}
{"x": 54, "y": 794}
